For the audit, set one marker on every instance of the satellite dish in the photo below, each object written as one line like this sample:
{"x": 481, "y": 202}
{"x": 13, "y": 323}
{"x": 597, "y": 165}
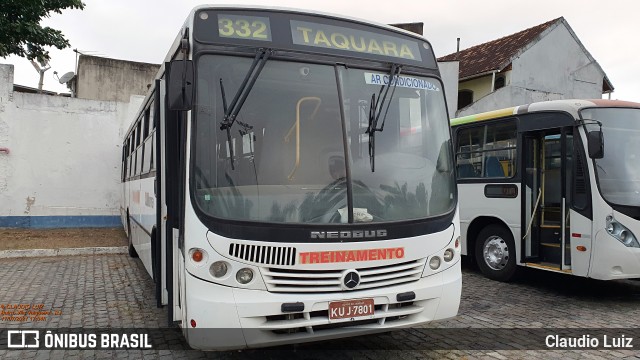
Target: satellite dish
{"x": 66, "y": 77}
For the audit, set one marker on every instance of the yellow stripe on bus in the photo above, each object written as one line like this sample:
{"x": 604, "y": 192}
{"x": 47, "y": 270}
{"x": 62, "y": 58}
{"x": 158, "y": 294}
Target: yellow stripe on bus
{"x": 483, "y": 116}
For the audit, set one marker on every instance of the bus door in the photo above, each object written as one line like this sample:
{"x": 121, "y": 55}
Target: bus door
{"x": 548, "y": 181}
{"x": 173, "y": 138}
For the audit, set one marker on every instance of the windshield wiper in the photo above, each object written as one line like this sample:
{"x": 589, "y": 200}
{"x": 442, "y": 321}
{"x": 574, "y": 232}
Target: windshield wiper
{"x": 375, "y": 110}
{"x": 231, "y": 111}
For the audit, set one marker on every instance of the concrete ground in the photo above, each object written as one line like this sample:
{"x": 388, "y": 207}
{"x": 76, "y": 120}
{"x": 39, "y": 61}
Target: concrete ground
{"x": 114, "y": 291}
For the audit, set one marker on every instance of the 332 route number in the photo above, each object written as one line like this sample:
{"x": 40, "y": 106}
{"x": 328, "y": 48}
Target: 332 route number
{"x": 241, "y": 28}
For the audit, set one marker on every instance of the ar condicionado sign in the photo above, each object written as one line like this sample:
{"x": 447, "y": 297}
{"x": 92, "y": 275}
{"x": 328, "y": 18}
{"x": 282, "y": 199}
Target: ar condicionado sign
{"x": 322, "y": 257}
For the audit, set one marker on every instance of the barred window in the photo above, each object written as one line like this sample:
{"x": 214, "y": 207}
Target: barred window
{"x": 487, "y": 151}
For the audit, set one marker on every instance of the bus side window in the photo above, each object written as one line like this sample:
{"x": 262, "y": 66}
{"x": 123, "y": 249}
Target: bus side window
{"x": 139, "y": 160}
{"x": 152, "y": 135}
{"x": 138, "y": 133}
{"x": 466, "y": 170}
{"x": 153, "y": 150}
{"x": 493, "y": 168}
{"x": 468, "y": 145}
{"x": 148, "y": 150}
{"x": 580, "y": 193}
{"x": 146, "y": 124}
{"x": 132, "y": 164}
{"x": 122, "y": 163}
{"x": 487, "y": 151}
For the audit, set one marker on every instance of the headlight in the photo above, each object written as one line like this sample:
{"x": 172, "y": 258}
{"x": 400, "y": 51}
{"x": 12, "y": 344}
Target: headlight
{"x": 448, "y": 255}
{"x": 244, "y": 276}
{"x": 621, "y": 233}
{"x": 434, "y": 263}
{"x": 219, "y": 269}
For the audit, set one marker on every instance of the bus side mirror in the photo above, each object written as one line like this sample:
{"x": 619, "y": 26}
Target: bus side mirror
{"x": 180, "y": 84}
{"x": 595, "y": 144}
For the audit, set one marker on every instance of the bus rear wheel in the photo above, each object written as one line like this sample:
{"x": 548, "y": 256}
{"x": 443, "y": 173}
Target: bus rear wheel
{"x": 495, "y": 253}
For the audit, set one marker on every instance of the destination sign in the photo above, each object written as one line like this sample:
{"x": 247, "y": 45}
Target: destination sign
{"x": 283, "y": 31}
{"x": 244, "y": 27}
{"x": 353, "y": 40}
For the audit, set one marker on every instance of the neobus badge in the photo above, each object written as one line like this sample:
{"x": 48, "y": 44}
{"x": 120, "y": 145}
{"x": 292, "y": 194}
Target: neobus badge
{"x": 356, "y": 234}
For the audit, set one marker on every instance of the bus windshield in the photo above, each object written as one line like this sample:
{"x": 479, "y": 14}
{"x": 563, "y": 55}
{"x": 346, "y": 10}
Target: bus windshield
{"x": 618, "y": 171}
{"x": 289, "y": 162}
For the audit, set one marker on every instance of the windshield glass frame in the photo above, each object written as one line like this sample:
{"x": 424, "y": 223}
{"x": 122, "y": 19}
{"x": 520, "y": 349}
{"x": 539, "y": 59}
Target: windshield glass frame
{"x": 404, "y": 146}
{"x": 230, "y": 90}
{"x": 613, "y": 170}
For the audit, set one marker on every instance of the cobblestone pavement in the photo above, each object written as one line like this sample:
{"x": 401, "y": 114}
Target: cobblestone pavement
{"x": 114, "y": 291}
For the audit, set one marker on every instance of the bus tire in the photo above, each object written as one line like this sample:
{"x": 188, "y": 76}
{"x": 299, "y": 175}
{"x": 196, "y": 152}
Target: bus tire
{"x": 496, "y": 253}
{"x": 132, "y": 250}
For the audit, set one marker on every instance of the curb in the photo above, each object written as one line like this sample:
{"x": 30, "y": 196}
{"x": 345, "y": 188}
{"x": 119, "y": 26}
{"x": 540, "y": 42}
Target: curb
{"x": 6, "y": 254}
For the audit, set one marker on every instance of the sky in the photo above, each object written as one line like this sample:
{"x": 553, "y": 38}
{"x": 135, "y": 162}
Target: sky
{"x": 142, "y": 30}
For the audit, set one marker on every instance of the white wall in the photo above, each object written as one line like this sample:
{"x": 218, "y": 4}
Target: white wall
{"x": 6, "y": 90}
{"x": 506, "y": 97}
{"x": 558, "y": 64}
{"x": 556, "y": 67}
{"x": 64, "y": 160}
{"x": 449, "y": 71}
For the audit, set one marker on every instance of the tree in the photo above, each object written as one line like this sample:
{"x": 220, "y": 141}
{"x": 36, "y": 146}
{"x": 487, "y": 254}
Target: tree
{"x": 20, "y": 30}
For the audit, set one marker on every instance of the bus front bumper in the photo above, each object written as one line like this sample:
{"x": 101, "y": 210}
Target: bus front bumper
{"x": 611, "y": 260}
{"x": 233, "y": 318}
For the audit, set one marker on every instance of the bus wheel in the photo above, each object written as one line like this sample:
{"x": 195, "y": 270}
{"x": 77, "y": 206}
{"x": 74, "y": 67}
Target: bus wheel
{"x": 496, "y": 253}
{"x": 132, "y": 251}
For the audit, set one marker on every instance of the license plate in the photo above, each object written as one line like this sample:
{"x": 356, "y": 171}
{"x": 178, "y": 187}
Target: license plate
{"x": 351, "y": 309}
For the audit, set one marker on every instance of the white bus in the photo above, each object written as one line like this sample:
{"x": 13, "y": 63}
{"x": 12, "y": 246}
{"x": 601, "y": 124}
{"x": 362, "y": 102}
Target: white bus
{"x": 552, "y": 185}
{"x": 280, "y": 189}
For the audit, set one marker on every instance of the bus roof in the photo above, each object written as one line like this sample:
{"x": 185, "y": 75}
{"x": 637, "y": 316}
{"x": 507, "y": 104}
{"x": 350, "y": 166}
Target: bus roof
{"x": 571, "y": 106}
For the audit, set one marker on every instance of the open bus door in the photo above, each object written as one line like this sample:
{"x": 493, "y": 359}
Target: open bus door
{"x": 554, "y": 233}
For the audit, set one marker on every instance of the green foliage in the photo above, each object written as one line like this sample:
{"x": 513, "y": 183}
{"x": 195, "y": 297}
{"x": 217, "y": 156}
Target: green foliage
{"x": 20, "y": 30}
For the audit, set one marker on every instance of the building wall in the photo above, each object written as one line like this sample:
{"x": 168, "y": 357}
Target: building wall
{"x": 482, "y": 86}
{"x": 112, "y": 80}
{"x": 449, "y": 71}
{"x": 413, "y": 27}
{"x": 6, "y": 93}
{"x": 556, "y": 67}
{"x": 506, "y": 97}
{"x": 63, "y": 165}
{"x": 557, "y": 64}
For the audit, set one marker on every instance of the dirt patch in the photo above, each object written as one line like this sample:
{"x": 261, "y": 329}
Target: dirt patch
{"x": 14, "y": 239}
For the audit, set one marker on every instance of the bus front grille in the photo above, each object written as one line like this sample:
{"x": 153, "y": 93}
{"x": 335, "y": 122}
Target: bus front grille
{"x": 267, "y": 255}
{"x": 317, "y": 322}
{"x": 318, "y": 281}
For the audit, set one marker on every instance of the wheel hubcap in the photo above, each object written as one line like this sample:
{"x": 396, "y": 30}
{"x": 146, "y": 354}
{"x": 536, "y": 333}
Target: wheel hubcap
{"x": 495, "y": 252}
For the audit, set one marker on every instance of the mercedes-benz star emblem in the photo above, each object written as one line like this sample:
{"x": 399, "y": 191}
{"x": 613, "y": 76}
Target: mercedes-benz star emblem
{"x": 351, "y": 279}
